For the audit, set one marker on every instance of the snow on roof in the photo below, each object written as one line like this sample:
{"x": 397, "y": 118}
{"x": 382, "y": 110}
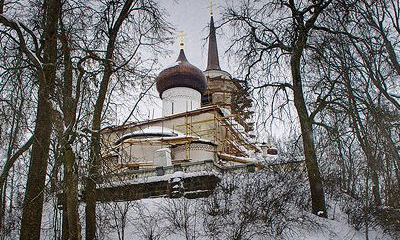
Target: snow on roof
{"x": 244, "y": 159}
{"x": 225, "y": 111}
{"x": 154, "y": 131}
{"x": 185, "y": 138}
{"x": 203, "y": 140}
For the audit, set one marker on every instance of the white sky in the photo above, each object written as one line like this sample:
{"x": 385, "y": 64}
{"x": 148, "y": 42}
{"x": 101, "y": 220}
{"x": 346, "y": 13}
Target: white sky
{"x": 193, "y": 17}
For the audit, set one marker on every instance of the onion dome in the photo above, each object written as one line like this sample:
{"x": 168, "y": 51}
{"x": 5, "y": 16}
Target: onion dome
{"x": 182, "y": 74}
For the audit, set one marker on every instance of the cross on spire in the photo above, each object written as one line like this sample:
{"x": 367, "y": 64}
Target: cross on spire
{"x": 210, "y": 7}
{"x": 213, "y": 60}
{"x": 181, "y": 36}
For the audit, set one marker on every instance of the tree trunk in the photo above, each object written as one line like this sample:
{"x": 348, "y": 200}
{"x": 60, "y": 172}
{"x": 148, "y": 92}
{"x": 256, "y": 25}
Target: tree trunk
{"x": 95, "y": 147}
{"x": 1, "y": 6}
{"x": 314, "y": 175}
{"x": 65, "y": 228}
{"x": 376, "y": 188}
{"x": 95, "y": 156}
{"x": 34, "y": 195}
{"x": 362, "y": 137}
{"x": 71, "y": 194}
{"x": 71, "y": 202}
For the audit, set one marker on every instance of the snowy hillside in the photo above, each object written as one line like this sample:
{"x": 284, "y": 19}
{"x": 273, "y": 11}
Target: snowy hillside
{"x": 261, "y": 205}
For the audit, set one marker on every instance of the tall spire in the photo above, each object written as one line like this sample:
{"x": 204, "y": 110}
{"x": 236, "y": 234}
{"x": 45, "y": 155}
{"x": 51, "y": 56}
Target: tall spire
{"x": 213, "y": 60}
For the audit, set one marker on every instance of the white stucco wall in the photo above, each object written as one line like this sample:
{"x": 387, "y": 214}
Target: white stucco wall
{"x": 217, "y": 73}
{"x": 138, "y": 153}
{"x": 179, "y": 100}
{"x": 162, "y": 157}
{"x": 198, "y": 152}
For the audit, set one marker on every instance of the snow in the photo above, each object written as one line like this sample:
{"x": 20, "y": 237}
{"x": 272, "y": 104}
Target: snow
{"x": 33, "y": 55}
{"x": 151, "y": 130}
{"x": 238, "y": 158}
{"x": 241, "y": 132}
{"x": 338, "y": 228}
{"x": 152, "y": 133}
{"x": 225, "y": 111}
{"x": 150, "y": 138}
{"x": 161, "y": 138}
{"x": 203, "y": 140}
{"x": 166, "y": 217}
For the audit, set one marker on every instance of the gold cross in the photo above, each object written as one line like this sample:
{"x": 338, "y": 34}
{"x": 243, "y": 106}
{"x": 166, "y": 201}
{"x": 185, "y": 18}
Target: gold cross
{"x": 181, "y": 36}
{"x": 210, "y": 7}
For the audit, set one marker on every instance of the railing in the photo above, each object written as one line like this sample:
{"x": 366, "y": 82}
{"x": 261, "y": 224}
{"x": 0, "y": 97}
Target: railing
{"x": 158, "y": 173}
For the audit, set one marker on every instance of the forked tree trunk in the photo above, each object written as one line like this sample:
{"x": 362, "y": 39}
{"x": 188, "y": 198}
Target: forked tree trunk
{"x": 34, "y": 195}
{"x": 71, "y": 202}
{"x": 95, "y": 156}
{"x": 95, "y": 147}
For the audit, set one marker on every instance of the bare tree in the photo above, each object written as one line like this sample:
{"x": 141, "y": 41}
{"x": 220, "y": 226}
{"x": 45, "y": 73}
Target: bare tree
{"x": 14, "y": 124}
{"x": 354, "y": 55}
{"x": 46, "y": 72}
{"x": 33, "y": 202}
{"x": 115, "y": 15}
{"x": 266, "y": 45}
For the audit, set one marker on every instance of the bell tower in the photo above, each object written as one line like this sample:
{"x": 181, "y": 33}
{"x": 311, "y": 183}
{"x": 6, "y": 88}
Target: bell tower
{"x": 224, "y": 90}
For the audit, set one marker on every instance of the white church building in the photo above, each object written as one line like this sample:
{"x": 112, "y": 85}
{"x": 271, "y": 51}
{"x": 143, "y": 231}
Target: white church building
{"x": 206, "y": 122}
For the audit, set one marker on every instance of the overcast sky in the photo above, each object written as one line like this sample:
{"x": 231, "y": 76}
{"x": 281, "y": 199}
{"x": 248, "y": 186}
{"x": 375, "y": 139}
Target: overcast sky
{"x": 193, "y": 17}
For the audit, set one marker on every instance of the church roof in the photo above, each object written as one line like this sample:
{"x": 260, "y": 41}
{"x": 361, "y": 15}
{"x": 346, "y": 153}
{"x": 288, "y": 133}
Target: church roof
{"x": 181, "y": 74}
{"x": 213, "y": 59}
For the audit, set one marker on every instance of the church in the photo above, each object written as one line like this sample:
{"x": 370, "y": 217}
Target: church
{"x": 206, "y": 125}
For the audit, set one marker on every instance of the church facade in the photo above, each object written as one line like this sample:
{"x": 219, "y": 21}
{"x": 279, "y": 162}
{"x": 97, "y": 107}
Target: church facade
{"x": 206, "y": 123}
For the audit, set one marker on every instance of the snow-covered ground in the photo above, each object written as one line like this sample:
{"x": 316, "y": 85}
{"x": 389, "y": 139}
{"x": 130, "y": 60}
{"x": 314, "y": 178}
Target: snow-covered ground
{"x": 339, "y": 229}
{"x": 261, "y": 205}
{"x": 319, "y": 229}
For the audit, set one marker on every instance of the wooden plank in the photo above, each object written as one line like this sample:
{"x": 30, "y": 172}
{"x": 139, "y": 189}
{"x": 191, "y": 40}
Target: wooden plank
{"x": 135, "y": 164}
{"x": 234, "y": 159}
{"x": 197, "y": 122}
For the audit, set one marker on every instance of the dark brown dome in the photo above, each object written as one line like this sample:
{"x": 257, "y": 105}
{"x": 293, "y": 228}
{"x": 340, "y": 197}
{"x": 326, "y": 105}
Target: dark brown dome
{"x": 182, "y": 74}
